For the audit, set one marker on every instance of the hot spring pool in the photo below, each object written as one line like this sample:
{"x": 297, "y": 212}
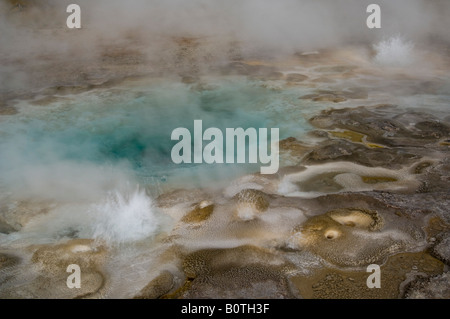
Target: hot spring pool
{"x": 128, "y": 129}
{"x": 106, "y": 152}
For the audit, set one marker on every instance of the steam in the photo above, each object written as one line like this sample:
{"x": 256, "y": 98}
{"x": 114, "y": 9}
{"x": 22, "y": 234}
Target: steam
{"x": 125, "y": 217}
{"x": 121, "y": 216}
{"x": 249, "y": 27}
{"x": 395, "y": 51}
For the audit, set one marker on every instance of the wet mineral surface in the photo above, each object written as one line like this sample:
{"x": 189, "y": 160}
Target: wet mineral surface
{"x": 367, "y": 185}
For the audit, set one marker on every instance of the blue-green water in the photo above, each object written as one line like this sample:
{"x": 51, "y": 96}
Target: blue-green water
{"x": 87, "y": 158}
{"x": 129, "y": 129}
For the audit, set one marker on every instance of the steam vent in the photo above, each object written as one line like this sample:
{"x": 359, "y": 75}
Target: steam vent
{"x": 224, "y": 150}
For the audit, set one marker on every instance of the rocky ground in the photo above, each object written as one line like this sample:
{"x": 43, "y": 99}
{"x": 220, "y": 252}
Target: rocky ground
{"x": 387, "y": 205}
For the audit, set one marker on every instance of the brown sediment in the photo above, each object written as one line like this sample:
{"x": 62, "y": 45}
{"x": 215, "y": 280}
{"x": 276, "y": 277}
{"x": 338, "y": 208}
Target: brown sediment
{"x": 436, "y": 226}
{"x": 256, "y": 198}
{"x": 350, "y": 135}
{"x": 53, "y": 260}
{"x": 295, "y": 147}
{"x": 201, "y": 212}
{"x": 8, "y": 260}
{"x": 328, "y": 283}
{"x": 7, "y": 110}
{"x": 321, "y": 183}
{"x": 373, "y": 145}
{"x": 158, "y": 287}
{"x": 357, "y": 217}
{"x": 355, "y": 137}
{"x": 179, "y": 293}
{"x": 379, "y": 129}
{"x": 323, "y": 79}
{"x": 296, "y": 77}
{"x": 337, "y": 96}
{"x": 21, "y": 212}
{"x": 377, "y": 179}
{"x": 246, "y": 271}
{"x": 336, "y": 68}
{"x": 5, "y": 227}
{"x": 343, "y": 150}
{"x": 338, "y": 235}
{"x": 179, "y": 196}
{"x": 47, "y": 100}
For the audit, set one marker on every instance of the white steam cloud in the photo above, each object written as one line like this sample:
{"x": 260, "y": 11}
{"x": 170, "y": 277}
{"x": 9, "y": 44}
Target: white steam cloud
{"x": 285, "y": 25}
{"x": 395, "y": 51}
{"x": 32, "y": 37}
